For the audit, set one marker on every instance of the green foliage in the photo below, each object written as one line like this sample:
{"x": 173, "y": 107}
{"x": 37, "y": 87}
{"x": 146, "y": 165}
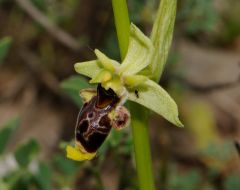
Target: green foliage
{"x": 223, "y": 152}
{"x": 25, "y": 153}
{"x": 20, "y": 179}
{"x": 119, "y": 143}
{"x": 198, "y": 16}
{"x": 37, "y": 175}
{"x": 72, "y": 86}
{"x": 66, "y": 166}
{"x": 43, "y": 177}
{"x": 6, "y": 132}
{"x": 187, "y": 181}
{"x": 135, "y": 8}
{"x": 230, "y": 28}
{"x": 232, "y": 182}
{"x": 5, "y": 44}
{"x": 3, "y": 185}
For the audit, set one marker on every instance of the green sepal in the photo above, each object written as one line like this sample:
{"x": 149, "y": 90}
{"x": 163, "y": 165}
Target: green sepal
{"x": 140, "y": 52}
{"x": 88, "y": 68}
{"x": 155, "y": 98}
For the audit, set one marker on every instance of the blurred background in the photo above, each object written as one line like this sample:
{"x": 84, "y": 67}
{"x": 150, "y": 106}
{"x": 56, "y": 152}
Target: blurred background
{"x": 40, "y": 40}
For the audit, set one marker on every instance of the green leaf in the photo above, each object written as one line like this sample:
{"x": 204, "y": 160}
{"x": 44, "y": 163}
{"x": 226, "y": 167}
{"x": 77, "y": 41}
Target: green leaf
{"x": 155, "y": 98}
{"x": 72, "y": 86}
{"x": 190, "y": 180}
{"x": 88, "y": 68}
{"x": 6, "y": 132}
{"x": 66, "y": 166}
{"x": 139, "y": 53}
{"x": 161, "y": 35}
{"x": 26, "y": 152}
{"x": 232, "y": 182}
{"x": 43, "y": 177}
{"x": 5, "y": 44}
{"x": 21, "y": 179}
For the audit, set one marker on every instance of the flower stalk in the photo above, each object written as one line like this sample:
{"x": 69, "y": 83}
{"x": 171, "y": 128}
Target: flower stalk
{"x": 139, "y": 114}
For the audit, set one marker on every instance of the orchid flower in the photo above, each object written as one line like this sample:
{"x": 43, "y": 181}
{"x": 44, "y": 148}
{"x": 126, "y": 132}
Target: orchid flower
{"x": 130, "y": 80}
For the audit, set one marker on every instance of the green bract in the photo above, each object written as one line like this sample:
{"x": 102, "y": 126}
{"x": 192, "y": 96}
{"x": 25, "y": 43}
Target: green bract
{"x": 161, "y": 36}
{"x": 129, "y": 79}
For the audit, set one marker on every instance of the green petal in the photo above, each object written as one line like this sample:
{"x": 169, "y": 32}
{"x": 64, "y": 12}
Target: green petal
{"x": 102, "y": 76}
{"x": 134, "y": 80}
{"x": 114, "y": 84}
{"x": 139, "y": 53}
{"x": 88, "y": 68}
{"x": 106, "y": 62}
{"x": 155, "y": 98}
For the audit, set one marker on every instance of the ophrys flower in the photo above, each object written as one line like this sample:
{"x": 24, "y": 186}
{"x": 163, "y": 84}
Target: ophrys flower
{"x": 124, "y": 80}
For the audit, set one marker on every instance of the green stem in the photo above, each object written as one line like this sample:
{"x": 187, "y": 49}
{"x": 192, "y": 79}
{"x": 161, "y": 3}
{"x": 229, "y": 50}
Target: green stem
{"x": 139, "y": 114}
{"x": 142, "y": 150}
{"x": 122, "y": 24}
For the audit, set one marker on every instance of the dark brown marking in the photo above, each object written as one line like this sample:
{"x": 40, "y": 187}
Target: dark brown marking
{"x": 120, "y": 122}
{"x": 83, "y": 126}
{"x": 94, "y": 125}
{"x": 90, "y": 115}
{"x": 85, "y": 104}
{"x": 106, "y": 97}
{"x": 105, "y": 121}
{"x": 93, "y": 142}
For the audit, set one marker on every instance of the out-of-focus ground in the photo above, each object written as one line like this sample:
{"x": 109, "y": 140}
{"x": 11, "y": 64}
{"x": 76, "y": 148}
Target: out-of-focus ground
{"x": 202, "y": 74}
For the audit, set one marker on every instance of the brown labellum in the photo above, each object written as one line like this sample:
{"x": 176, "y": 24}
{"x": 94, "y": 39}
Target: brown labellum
{"x": 94, "y": 122}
